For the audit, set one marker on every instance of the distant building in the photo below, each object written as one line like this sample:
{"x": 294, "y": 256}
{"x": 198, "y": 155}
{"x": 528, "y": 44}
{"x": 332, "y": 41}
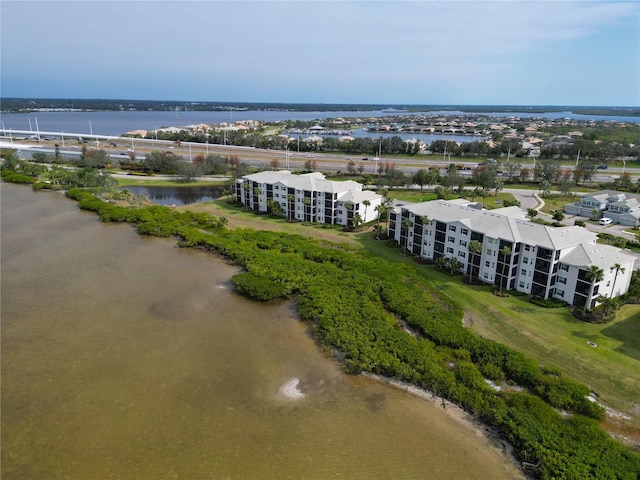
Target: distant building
{"x": 308, "y": 197}
{"x": 548, "y": 262}
{"x": 622, "y": 208}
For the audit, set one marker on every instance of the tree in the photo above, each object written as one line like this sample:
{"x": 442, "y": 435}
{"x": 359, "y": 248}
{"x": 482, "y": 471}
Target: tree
{"x": 421, "y": 177}
{"x": 307, "y": 208}
{"x": 454, "y": 265}
{"x": 506, "y": 253}
{"x": 366, "y": 204}
{"x": 382, "y": 210}
{"x": 475, "y": 248}
{"x": 545, "y": 186}
{"x": 594, "y": 274}
{"x": 532, "y": 212}
{"x": 406, "y": 224}
{"x": 558, "y": 216}
{"x": 275, "y": 164}
{"x": 498, "y": 186}
{"x": 619, "y": 269}
{"x": 290, "y": 199}
{"x": 356, "y": 221}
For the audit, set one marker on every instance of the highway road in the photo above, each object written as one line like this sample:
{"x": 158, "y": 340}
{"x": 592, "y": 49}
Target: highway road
{"x": 121, "y": 147}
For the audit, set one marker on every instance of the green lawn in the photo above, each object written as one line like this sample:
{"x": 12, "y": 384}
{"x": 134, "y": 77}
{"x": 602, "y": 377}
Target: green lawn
{"x": 551, "y": 336}
{"x": 554, "y": 202}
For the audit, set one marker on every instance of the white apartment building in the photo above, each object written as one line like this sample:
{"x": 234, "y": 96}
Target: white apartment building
{"x": 549, "y": 262}
{"x": 308, "y": 197}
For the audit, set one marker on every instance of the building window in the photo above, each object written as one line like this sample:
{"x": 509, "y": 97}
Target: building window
{"x": 560, "y": 293}
{"x": 463, "y": 243}
{"x": 489, "y": 252}
{"x": 451, "y": 239}
{"x": 525, "y": 260}
{"x": 527, "y": 248}
{"x": 564, "y": 267}
{"x": 487, "y": 264}
{"x": 462, "y": 254}
{"x": 562, "y": 280}
{"x": 521, "y": 284}
{"x": 449, "y": 250}
{"x": 452, "y": 228}
{"x": 523, "y": 272}
{"x": 465, "y": 231}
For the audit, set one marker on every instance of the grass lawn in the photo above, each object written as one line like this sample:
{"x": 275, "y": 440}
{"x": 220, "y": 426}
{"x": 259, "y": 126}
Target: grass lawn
{"x": 554, "y": 202}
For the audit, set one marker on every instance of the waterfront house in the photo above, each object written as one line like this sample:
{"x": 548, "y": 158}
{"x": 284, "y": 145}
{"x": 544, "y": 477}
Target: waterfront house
{"x": 308, "y": 197}
{"x": 544, "y": 261}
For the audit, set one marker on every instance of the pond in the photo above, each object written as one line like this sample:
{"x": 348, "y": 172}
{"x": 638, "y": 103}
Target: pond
{"x": 178, "y": 195}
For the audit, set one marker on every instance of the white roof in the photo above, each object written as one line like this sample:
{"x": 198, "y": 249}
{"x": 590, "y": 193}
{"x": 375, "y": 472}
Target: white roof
{"x": 314, "y": 181}
{"x": 603, "y": 256}
{"x": 504, "y": 226}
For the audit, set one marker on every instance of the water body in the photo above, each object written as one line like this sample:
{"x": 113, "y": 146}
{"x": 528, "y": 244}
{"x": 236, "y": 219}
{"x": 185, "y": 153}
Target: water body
{"x": 178, "y": 195}
{"x": 117, "y": 123}
{"x": 125, "y": 357}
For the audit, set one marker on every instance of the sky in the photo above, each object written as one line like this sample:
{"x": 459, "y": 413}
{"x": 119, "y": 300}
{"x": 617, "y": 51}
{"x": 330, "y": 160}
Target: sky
{"x": 446, "y": 52}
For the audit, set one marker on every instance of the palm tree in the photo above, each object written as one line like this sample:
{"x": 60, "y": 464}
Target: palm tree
{"x": 357, "y": 220}
{"x": 475, "y": 248}
{"x": 506, "y": 252}
{"x": 380, "y": 209}
{"x": 406, "y": 223}
{"x": 594, "y": 275}
{"x": 366, "y": 204}
{"x": 454, "y": 265}
{"x": 307, "y": 208}
{"x": 618, "y": 268}
{"x": 290, "y": 199}
{"x": 607, "y": 306}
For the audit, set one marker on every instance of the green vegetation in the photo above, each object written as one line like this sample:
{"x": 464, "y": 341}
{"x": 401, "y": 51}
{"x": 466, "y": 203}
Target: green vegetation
{"x": 357, "y": 304}
{"x": 353, "y": 302}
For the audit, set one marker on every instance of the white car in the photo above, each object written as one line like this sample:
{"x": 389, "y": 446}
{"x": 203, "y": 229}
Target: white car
{"x": 605, "y": 221}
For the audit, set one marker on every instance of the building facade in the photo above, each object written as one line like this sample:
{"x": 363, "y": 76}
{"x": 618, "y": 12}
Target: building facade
{"x": 502, "y": 247}
{"x": 622, "y": 208}
{"x": 308, "y": 197}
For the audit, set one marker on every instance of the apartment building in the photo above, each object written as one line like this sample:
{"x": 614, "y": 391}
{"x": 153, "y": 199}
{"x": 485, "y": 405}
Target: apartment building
{"x": 308, "y": 197}
{"x": 549, "y": 262}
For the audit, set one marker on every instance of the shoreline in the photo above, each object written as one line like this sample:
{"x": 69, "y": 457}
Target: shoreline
{"x": 462, "y": 417}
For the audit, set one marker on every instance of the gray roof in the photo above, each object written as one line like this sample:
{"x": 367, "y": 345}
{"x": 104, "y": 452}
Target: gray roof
{"x": 498, "y": 225}
{"x": 359, "y": 196}
{"x": 314, "y": 181}
{"x": 604, "y": 256}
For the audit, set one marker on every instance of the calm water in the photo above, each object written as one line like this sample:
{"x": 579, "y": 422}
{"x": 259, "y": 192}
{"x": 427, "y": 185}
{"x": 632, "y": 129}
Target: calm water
{"x": 125, "y": 357}
{"x": 177, "y": 195}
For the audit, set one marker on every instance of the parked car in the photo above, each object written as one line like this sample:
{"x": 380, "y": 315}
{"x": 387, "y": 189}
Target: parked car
{"x": 605, "y": 221}
{"x": 603, "y": 166}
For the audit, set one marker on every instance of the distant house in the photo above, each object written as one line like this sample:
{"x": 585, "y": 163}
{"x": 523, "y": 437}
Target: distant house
{"x": 309, "y": 197}
{"x": 622, "y": 208}
{"x": 544, "y": 261}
